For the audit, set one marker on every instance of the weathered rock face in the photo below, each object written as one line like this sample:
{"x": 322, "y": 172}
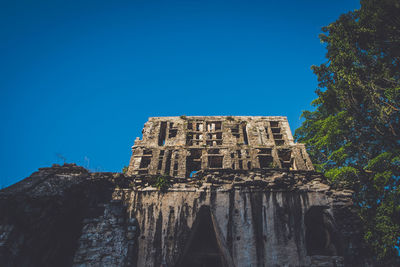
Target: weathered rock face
{"x": 235, "y": 192}
{"x": 259, "y": 218}
{"x": 66, "y": 216}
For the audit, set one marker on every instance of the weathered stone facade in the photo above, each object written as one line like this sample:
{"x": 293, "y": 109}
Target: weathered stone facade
{"x": 279, "y": 214}
{"x": 259, "y": 218}
{"x": 179, "y": 146}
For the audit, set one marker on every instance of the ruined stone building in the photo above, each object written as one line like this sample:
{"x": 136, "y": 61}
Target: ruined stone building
{"x": 179, "y": 146}
{"x": 199, "y": 191}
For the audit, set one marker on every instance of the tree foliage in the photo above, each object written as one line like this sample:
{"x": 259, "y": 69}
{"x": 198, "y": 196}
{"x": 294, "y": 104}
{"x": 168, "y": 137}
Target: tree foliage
{"x": 353, "y": 135}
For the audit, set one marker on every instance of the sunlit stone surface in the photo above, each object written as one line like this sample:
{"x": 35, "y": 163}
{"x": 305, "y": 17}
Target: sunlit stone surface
{"x": 200, "y": 191}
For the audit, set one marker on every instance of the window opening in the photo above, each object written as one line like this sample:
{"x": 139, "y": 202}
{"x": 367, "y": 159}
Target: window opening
{"x": 172, "y": 133}
{"x": 245, "y": 140}
{"x": 189, "y": 138}
{"x": 162, "y": 133}
{"x": 213, "y": 151}
{"x": 145, "y": 162}
{"x": 265, "y": 161}
{"x": 279, "y": 142}
{"x": 159, "y": 164}
{"x": 235, "y": 131}
{"x": 168, "y": 163}
{"x": 160, "y": 160}
{"x": 274, "y": 123}
{"x": 147, "y": 152}
{"x": 266, "y": 132}
{"x": 266, "y": 151}
{"x": 276, "y": 130}
{"x": 285, "y": 158}
{"x": 279, "y": 139}
{"x": 193, "y": 162}
{"x": 199, "y": 126}
{"x": 215, "y": 162}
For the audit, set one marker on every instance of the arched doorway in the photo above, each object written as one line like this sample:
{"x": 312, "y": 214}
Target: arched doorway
{"x": 202, "y": 248}
{"x": 322, "y": 237}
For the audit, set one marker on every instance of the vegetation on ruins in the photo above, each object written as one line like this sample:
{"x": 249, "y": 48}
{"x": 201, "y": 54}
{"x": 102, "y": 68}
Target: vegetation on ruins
{"x": 162, "y": 182}
{"x": 353, "y": 136}
{"x": 125, "y": 169}
{"x": 272, "y": 165}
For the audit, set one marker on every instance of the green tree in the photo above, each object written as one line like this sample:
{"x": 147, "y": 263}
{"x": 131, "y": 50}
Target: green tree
{"x": 353, "y": 135}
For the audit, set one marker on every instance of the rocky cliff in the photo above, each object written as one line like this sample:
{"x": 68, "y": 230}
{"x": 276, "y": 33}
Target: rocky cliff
{"x": 67, "y": 216}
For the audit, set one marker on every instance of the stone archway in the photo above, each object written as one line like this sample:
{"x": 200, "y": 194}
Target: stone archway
{"x": 203, "y": 248}
{"x": 322, "y": 237}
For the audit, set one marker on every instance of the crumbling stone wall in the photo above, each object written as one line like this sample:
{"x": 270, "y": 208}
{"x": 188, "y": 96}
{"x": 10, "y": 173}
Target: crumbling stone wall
{"x": 105, "y": 236}
{"x": 259, "y": 218}
{"x": 179, "y": 146}
{"x": 200, "y": 191}
{"x": 66, "y": 216}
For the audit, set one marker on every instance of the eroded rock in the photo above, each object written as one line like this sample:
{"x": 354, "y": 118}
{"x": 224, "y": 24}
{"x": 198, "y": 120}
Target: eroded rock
{"x": 242, "y": 194}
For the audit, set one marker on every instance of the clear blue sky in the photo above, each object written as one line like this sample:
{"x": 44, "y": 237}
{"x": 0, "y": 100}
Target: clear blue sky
{"x": 80, "y": 78}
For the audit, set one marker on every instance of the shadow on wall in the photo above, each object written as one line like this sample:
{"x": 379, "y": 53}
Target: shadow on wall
{"x": 203, "y": 248}
{"x": 322, "y": 237}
